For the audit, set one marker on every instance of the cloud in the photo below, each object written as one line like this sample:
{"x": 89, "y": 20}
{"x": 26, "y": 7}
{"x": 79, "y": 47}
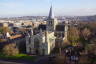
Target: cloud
{"x": 11, "y": 4}
{"x": 75, "y": 11}
{"x": 84, "y": 11}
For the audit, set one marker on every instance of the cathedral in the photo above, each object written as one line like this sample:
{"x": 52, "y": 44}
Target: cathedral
{"x": 43, "y": 42}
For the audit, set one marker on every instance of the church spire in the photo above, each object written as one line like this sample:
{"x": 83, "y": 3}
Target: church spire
{"x": 51, "y": 15}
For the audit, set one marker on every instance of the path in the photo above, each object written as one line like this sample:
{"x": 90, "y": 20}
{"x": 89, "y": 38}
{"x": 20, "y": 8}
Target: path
{"x": 8, "y": 62}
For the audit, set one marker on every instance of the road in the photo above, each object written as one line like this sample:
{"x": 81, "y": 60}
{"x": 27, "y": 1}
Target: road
{"x": 8, "y": 62}
{"x": 40, "y": 60}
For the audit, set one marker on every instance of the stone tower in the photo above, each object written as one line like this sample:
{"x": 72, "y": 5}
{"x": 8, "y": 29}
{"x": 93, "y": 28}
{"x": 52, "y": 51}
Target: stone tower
{"x": 43, "y": 42}
{"x": 66, "y": 31}
{"x": 51, "y": 21}
{"x": 30, "y": 42}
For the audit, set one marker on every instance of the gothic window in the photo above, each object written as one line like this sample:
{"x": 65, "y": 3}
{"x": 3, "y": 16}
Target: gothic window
{"x": 29, "y": 40}
{"x": 29, "y": 50}
{"x": 36, "y": 42}
{"x": 36, "y": 45}
{"x": 50, "y": 22}
{"x": 51, "y": 39}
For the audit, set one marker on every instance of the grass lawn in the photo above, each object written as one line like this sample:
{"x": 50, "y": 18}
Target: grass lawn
{"x": 18, "y": 57}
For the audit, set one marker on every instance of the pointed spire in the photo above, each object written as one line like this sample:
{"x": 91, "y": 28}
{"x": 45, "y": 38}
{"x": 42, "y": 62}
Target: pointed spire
{"x": 40, "y": 30}
{"x": 31, "y": 31}
{"x": 28, "y": 35}
{"x": 8, "y": 35}
{"x": 51, "y": 15}
{"x": 46, "y": 36}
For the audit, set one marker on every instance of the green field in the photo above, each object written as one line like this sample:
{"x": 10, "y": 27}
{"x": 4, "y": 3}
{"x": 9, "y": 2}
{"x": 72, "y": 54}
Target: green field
{"x": 18, "y": 57}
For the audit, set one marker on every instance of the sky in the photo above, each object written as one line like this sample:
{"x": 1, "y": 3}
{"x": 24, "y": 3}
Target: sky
{"x": 41, "y": 7}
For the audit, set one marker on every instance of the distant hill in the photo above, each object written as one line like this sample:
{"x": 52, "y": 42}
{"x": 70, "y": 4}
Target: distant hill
{"x": 77, "y": 18}
{"x": 87, "y": 18}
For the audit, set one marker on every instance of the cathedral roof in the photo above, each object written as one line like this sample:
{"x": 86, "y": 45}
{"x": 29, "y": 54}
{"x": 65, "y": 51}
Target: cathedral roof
{"x": 42, "y": 26}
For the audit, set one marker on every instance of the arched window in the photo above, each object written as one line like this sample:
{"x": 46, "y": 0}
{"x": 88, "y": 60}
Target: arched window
{"x": 36, "y": 45}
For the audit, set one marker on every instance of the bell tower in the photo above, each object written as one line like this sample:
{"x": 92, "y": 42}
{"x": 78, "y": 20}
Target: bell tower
{"x": 51, "y": 21}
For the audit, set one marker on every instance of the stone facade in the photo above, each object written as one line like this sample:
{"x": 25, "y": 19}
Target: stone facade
{"x": 43, "y": 42}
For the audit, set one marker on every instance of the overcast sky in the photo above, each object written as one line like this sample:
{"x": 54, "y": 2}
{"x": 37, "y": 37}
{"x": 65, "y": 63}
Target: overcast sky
{"x": 41, "y": 7}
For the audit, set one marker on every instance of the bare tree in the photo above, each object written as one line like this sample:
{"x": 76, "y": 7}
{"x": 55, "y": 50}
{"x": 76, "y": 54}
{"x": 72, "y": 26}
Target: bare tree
{"x": 10, "y": 49}
{"x": 86, "y": 33}
{"x": 73, "y": 35}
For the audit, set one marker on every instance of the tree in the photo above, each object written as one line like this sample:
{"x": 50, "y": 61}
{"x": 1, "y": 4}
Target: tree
{"x": 1, "y": 30}
{"x": 6, "y": 29}
{"x": 73, "y": 35}
{"x": 86, "y": 33}
{"x": 10, "y": 49}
